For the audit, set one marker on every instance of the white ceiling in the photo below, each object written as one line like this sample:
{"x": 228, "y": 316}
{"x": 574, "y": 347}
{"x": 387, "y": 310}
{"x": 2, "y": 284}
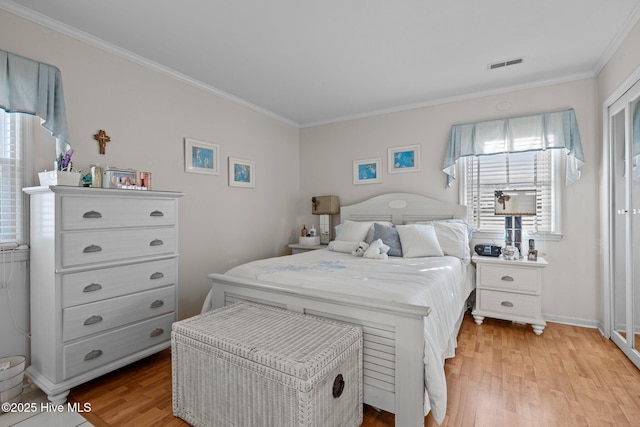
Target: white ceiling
{"x": 313, "y": 62}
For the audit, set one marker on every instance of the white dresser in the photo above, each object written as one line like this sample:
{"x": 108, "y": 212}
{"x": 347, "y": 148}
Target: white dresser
{"x": 104, "y": 272}
{"x": 509, "y": 290}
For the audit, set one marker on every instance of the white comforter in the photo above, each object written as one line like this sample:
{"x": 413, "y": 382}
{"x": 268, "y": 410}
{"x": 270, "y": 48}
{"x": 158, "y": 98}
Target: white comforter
{"x": 437, "y": 282}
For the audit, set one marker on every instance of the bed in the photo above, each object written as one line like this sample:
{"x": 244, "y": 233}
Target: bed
{"x": 410, "y": 308}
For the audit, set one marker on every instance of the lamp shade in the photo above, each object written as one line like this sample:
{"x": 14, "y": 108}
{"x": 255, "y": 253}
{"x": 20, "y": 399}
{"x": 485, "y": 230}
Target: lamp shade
{"x": 325, "y": 205}
{"x": 515, "y": 202}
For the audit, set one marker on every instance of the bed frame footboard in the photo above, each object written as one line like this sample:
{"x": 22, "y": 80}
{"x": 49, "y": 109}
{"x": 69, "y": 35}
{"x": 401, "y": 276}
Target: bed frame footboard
{"x": 393, "y": 338}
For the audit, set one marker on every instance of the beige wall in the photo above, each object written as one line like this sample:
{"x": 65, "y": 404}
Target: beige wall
{"x": 571, "y": 290}
{"x": 148, "y": 115}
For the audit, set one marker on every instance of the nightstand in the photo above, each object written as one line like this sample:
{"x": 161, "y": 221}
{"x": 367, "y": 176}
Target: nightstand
{"x": 297, "y": 248}
{"x": 509, "y": 290}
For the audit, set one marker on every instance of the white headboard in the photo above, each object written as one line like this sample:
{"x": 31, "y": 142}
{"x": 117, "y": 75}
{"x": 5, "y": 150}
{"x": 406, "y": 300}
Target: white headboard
{"x": 402, "y": 208}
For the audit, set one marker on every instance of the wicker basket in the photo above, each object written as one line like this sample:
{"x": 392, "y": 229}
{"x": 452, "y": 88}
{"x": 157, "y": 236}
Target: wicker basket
{"x": 254, "y": 365}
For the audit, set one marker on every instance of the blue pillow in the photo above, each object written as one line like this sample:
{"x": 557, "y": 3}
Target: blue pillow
{"x": 389, "y": 236}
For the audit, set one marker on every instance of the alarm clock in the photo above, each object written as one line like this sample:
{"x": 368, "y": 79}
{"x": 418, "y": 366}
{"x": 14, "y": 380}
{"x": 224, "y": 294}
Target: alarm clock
{"x": 487, "y": 249}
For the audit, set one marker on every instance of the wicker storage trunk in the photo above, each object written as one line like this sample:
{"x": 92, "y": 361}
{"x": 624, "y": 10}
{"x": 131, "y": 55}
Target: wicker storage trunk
{"x": 251, "y": 365}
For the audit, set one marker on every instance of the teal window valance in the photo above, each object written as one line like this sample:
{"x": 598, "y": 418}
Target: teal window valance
{"x": 31, "y": 87}
{"x": 557, "y": 130}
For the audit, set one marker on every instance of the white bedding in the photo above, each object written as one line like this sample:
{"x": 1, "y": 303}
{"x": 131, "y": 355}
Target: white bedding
{"x": 442, "y": 283}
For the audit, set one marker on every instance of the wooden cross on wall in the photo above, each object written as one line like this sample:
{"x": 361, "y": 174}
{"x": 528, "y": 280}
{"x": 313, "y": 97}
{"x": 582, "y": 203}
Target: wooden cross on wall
{"x": 102, "y": 139}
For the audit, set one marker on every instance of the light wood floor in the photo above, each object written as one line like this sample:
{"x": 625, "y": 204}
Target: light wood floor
{"x": 502, "y": 375}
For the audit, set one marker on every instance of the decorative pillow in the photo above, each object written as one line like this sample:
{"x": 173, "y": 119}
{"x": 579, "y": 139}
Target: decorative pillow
{"x": 453, "y": 239}
{"x": 389, "y": 236}
{"x": 370, "y": 234}
{"x": 343, "y": 247}
{"x": 419, "y": 240}
{"x": 353, "y": 231}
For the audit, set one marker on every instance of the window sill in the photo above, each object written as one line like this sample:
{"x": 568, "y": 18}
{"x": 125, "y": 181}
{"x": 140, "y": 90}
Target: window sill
{"x": 498, "y": 237}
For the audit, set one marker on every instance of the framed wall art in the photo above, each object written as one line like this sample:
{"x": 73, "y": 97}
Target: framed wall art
{"x": 404, "y": 159}
{"x": 367, "y": 171}
{"x": 201, "y": 157}
{"x": 242, "y": 173}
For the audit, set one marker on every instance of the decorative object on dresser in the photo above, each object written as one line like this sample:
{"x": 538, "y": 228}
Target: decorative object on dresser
{"x": 296, "y": 370}
{"x": 509, "y": 290}
{"x": 326, "y": 207}
{"x": 103, "y": 281}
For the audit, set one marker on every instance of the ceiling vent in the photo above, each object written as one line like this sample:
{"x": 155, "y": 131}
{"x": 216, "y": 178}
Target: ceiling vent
{"x": 506, "y": 63}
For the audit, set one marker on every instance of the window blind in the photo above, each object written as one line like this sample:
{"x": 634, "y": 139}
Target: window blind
{"x": 514, "y": 171}
{"x": 11, "y": 207}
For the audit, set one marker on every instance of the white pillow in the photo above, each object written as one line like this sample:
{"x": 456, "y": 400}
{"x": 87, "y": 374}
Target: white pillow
{"x": 342, "y": 246}
{"x": 419, "y": 240}
{"x": 454, "y": 239}
{"x": 353, "y": 231}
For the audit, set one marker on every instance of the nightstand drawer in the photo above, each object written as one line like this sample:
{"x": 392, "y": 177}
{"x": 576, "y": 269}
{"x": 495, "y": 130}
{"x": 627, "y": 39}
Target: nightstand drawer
{"x": 509, "y": 304}
{"x": 509, "y": 278}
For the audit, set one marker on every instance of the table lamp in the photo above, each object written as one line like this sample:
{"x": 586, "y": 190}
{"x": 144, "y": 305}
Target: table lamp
{"x": 513, "y": 205}
{"x": 325, "y": 206}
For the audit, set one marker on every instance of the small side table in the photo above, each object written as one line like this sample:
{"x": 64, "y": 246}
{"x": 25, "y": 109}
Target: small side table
{"x": 509, "y": 290}
{"x": 297, "y": 248}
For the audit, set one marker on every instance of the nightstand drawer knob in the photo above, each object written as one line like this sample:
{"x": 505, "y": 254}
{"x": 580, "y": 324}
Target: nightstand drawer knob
{"x": 506, "y": 303}
{"x": 92, "y": 287}
{"x": 156, "y": 332}
{"x": 507, "y": 278}
{"x": 93, "y": 320}
{"x": 93, "y": 354}
{"x": 92, "y": 214}
{"x": 156, "y": 242}
{"x": 156, "y": 213}
{"x": 157, "y": 303}
{"x": 156, "y": 275}
{"x": 92, "y": 248}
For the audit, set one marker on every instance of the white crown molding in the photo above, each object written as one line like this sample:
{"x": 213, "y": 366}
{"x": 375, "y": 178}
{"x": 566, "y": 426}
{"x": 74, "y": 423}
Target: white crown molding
{"x": 465, "y": 97}
{"x": 48, "y": 22}
{"x": 622, "y": 33}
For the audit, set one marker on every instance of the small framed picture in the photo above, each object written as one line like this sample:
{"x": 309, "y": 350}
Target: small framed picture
{"x": 404, "y": 159}
{"x": 242, "y": 173}
{"x": 367, "y": 171}
{"x": 201, "y": 157}
{"x": 533, "y": 255}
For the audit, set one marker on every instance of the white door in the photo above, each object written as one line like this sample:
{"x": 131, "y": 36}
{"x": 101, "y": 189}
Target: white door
{"x": 624, "y": 218}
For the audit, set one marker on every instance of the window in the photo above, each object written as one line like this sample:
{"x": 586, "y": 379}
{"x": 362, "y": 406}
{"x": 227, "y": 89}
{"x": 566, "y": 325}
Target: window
{"x": 14, "y": 168}
{"x": 483, "y": 175}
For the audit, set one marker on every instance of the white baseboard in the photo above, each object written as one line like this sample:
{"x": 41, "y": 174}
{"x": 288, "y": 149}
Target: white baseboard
{"x": 585, "y": 323}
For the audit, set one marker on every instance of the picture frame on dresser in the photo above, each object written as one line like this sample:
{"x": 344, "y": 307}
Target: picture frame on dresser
{"x": 201, "y": 157}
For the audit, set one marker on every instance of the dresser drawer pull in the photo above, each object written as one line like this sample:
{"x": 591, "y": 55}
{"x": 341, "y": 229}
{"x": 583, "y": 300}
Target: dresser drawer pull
{"x": 93, "y": 320}
{"x": 507, "y": 278}
{"x": 156, "y": 213}
{"x": 93, "y": 354}
{"x": 92, "y": 248}
{"x": 506, "y": 304}
{"x": 92, "y": 287}
{"x": 92, "y": 214}
{"x": 156, "y": 242}
{"x": 157, "y": 303}
{"x": 156, "y": 332}
{"x": 156, "y": 275}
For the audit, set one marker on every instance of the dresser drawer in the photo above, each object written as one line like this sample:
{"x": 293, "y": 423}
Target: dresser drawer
{"x": 509, "y": 278}
{"x": 92, "y": 353}
{"x": 83, "y": 320}
{"x": 103, "y": 283}
{"x": 87, "y": 247}
{"x": 81, "y": 213}
{"x": 510, "y": 304}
